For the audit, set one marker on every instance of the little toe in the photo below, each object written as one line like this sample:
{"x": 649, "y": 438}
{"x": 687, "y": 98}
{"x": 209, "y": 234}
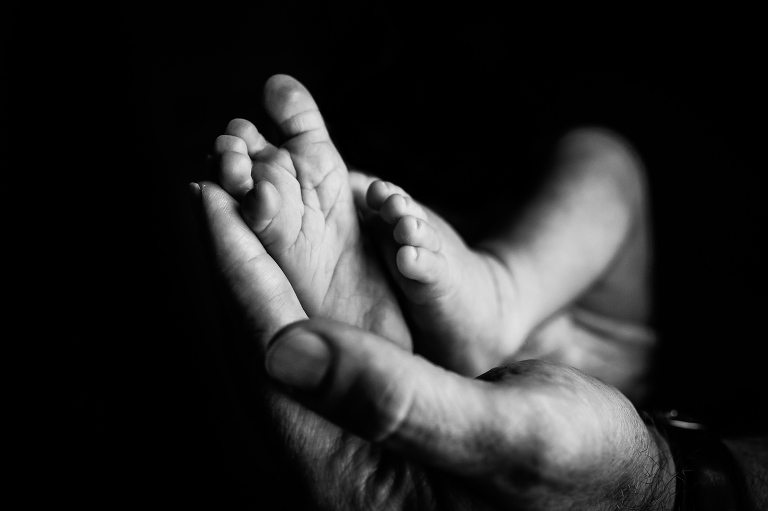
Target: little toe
{"x": 245, "y": 130}
{"x": 260, "y": 206}
{"x": 397, "y": 206}
{"x": 379, "y": 191}
{"x": 292, "y": 108}
{"x": 359, "y": 184}
{"x": 235, "y": 174}
{"x": 232, "y": 143}
{"x": 410, "y": 230}
{"x": 420, "y": 264}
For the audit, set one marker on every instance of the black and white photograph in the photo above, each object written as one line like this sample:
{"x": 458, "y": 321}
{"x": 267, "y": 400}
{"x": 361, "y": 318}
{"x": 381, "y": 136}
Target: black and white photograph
{"x": 365, "y": 256}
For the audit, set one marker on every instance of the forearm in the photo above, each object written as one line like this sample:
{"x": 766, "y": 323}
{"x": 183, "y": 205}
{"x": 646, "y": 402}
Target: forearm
{"x": 578, "y": 228}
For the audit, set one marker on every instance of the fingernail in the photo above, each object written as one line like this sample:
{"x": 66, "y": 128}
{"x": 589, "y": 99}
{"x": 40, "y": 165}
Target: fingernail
{"x": 300, "y": 360}
{"x": 194, "y": 189}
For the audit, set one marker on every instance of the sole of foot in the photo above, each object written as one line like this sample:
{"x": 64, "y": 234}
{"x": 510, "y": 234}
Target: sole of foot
{"x": 297, "y": 199}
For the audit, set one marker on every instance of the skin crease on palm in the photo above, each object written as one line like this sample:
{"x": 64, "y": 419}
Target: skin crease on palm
{"x": 511, "y": 440}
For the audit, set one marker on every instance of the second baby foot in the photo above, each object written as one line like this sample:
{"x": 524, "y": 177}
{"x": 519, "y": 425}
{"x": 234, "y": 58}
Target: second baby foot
{"x": 454, "y": 295}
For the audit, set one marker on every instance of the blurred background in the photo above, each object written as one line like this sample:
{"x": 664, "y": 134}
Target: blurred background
{"x": 459, "y": 107}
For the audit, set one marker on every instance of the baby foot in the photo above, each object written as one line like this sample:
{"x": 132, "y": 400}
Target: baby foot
{"x": 297, "y": 199}
{"x": 457, "y": 298}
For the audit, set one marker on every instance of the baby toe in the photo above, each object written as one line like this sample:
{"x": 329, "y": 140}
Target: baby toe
{"x": 235, "y": 174}
{"x": 398, "y": 206}
{"x": 260, "y": 206}
{"x": 232, "y": 143}
{"x": 292, "y": 108}
{"x": 410, "y": 230}
{"x": 379, "y": 192}
{"x": 245, "y": 130}
{"x": 360, "y": 183}
{"x": 271, "y": 158}
{"x": 419, "y": 264}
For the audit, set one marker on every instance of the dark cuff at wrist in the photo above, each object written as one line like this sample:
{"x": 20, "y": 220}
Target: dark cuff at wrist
{"x": 708, "y": 478}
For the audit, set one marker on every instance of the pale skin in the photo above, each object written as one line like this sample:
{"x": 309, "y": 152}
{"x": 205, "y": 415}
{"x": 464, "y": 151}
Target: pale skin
{"x": 580, "y": 250}
{"x": 532, "y": 435}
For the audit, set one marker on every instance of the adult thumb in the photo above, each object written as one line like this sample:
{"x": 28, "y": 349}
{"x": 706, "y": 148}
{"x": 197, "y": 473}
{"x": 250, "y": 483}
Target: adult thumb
{"x": 374, "y": 388}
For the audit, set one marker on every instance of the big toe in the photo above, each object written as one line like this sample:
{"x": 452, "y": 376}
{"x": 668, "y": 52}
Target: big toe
{"x": 291, "y": 107}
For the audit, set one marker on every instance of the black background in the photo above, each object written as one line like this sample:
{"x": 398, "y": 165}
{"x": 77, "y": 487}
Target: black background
{"x": 120, "y": 108}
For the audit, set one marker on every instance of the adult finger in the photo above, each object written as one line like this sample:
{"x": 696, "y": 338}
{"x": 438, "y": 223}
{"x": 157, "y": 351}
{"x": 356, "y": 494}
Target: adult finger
{"x": 259, "y": 288}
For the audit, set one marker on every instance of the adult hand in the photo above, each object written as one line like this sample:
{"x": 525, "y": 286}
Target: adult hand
{"x": 531, "y": 435}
